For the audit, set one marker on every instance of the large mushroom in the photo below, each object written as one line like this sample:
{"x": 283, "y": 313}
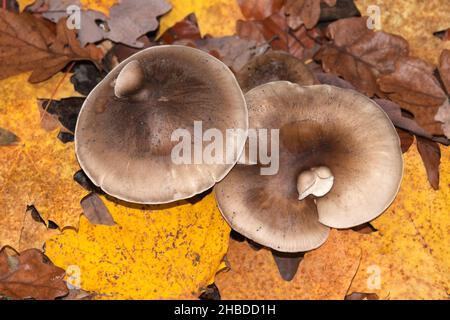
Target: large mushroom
{"x": 273, "y": 66}
{"x": 124, "y": 131}
{"x": 340, "y": 165}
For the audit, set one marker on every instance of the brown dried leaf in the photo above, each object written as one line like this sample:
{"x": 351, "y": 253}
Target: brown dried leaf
{"x": 259, "y": 9}
{"x": 186, "y": 29}
{"x": 95, "y": 210}
{"x": 360, "y": 55}
{"x": 235, "y": 52}
{"x": 415, "y": 88}
{"x": 444, "y": 69}
{"x": 302, "y": 12}
{"x": 362, "y": 296}
{"x": 127, "y": 21}
{"x": 7, "y": 138}
{"x": 28, "y": 43}
{"x": 431, "y": 156}
{"x": 30, "y": 275}
{"x": 301, "y": 43}
{"x": 443, "y": 115}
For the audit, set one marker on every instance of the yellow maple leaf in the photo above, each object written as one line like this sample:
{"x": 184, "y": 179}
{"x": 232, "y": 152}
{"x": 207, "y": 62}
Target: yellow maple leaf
{"x": 324, "y": 273}
{"x": 153, "y": 252}
{"x": 24, "y": 3}
{"x": 416, "y": 21}
{"x": 37, "y": 171}
{"x": 216, "y": 18}
{"x": 409, "y": 257}
{"x": 99, "y": 5}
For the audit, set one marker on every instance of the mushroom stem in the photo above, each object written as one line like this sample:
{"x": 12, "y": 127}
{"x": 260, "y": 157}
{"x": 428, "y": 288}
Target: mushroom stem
{"x": 317, "y": 181}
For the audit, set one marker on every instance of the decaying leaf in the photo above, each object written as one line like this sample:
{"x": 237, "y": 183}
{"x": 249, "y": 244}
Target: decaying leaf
{"x": 39, "y": 170}
{"x": 360, "y": 55}
{"x": 153, "y": 252}
{"x": 415, "y": 88}
{"x": 216, "y": 18}
{"x": 274, "y": 30}
{"x": 64, "y": 112}
{"x": 233, "y": 51}
{"x": 259, "y": 9}
{"x": 127, "y": 20}
{"x": 443, "y": 116}
{"x": 324, "y": 273}
{"x": 431, "y": 155}
{"x": 302, "y": 12}
{"x": 30, "y": 275}
{"x": 7, "y": 138}
{"x": 95, "y": 210}
{"x": 416, "y": 21}
{"x": 444, "y": 69}
{"x": 409, "y": 257}
{"x": 30, "y": 44}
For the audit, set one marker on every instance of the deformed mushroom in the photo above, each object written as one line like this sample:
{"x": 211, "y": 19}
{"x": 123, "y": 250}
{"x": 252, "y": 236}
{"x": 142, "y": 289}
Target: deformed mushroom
{"x": 340, "y": 165}
{"x": 273, "y": 66}
{"x": 124, "y": 139}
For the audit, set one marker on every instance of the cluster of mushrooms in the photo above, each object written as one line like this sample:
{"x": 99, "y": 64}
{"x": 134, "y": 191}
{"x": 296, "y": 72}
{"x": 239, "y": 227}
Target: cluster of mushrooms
{"x": 340, "y": 161}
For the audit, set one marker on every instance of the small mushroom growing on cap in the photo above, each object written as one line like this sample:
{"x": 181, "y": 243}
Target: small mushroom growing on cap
{"x": 273, "y": 66}
{"x": 340, "y": 165}
{"x": 124, "y": 139}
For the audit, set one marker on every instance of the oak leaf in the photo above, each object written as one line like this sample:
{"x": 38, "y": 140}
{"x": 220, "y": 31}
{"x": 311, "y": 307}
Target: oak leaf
{"x": 414, "y": 87}
{"x": 360, "y": 55}
{"x": 38, "y": 171}
{"x": 30, "y": 275}
{"x": 153, "y": 252}
{"x": 259, "y": 9}
{"x": 29, "y": 43}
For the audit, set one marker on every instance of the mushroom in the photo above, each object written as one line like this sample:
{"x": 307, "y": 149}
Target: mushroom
{"x": 273, "y": 66}
{"x": 340, "y": 165}
{"x": 123, "y": 137}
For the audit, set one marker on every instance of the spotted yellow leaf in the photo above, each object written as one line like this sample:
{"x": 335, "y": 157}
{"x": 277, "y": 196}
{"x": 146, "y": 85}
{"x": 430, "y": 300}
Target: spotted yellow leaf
{"x": 215, "y": 17}
{"x": 153, "y": 252}
{"x": 38, "y": 170}
{"x": 409, "y": 256}
{"x": 415, "y": 20}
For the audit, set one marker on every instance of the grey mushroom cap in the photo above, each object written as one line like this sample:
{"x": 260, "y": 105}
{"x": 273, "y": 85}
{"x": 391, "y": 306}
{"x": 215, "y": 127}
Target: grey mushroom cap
{"x": 274, "y": 66}
{"x": 320, "y": 127}
{"x": 123, "y": 137}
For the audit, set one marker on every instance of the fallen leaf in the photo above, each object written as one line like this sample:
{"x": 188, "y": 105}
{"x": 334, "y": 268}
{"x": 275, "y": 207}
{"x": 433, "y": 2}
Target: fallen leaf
{"x": 233, "y": 51}
{"x": 7, "y": 138}
{"x": 95, "y": 210}
{"x": 64, "y": 111}
{"x": 302, "y": 12}
{"x": 324, "y": 273}
{"x": 30, "y": 275}
{"x": 38, "y": 171}
{"x": 85, "y": 77}
{"x": 153, "y": 252}
{"x": 414, "y": 87}
{"x": 127, "y": 21}
{"x": 416, "y": 21}
{"x": 431, "y": 155}
{"x": 216, "y": 18}
{"x": 360, "y": 55}
{"x": 340, "y": 10}
{"x": 409, "y": 257}
{"x": 186, "y": 29}
{"x": 443, "y": 116}
{"x": 274, "y": 30}
{"x": 444, "y": 69}
{"x": 29, "y": 44}
{"x": 362, "y": 296}
{"x": 102, "y": 6}
{"x": 24, "y": 3}
{"x": 259, "y": 9}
